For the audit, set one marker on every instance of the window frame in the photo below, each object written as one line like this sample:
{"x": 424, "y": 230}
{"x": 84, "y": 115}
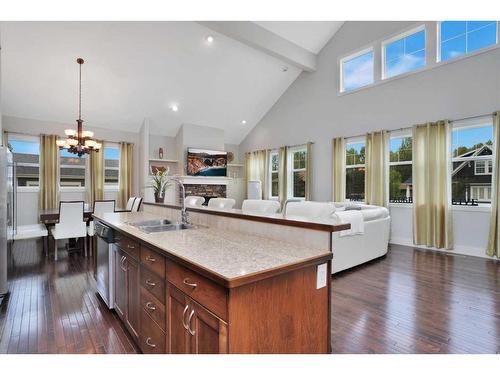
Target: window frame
{"x": 479, "y": 122}
{"x": 438, "y": 59}
{"x": 350, "y": 141}
{"x": 290, "y": 169}
{"x": 398, "y": 134}
{"x": 395, "y": 38}
{"x": 25, "y": 138}
{"x": 270, "y": 175}
{"x": 72, "y": 189}
{"x": 351, "y": 56}
{"x": 114, "y": 145}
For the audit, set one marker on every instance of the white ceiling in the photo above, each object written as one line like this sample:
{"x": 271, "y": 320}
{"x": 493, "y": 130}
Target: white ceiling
{"x": 311, "y": 35}
{"x": 135, "y": 70}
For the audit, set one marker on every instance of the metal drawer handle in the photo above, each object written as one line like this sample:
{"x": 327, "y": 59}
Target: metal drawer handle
{"x": 130, "y": 246}
{"x": 150, "y": 283}
{"x": 184, "y": 317}
{"x": 148, "y": 342}
{"x": 186, "y": 282}
{"x": 150, "y": 306}
{"x": 192, "y": 332}
{"x": 122, "y": 264}
{"x": 150, "y": 259}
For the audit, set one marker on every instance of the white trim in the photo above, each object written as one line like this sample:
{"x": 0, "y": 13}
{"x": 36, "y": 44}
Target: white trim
{"x": 291, "y": 170}
{"x": 270, "y": 172}
{"x": 399, "y": 37}
{"x": 111, "y": 187}
{"x": 28, "y": 189}
{"x": 72, "y": 189}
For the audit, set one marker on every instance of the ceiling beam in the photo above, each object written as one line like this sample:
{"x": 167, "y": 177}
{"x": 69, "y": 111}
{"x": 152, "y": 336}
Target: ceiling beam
{"x": 266, "y": 41}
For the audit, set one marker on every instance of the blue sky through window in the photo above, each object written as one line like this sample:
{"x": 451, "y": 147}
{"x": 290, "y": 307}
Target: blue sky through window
{"x": 405, "y": 54}
{"x": 468, "y": 137}
{"x": 358, "y": 71}
{"x": 111, "y": 153}
{"x": 460, "y": 37}
{"x": 25, "y": 147}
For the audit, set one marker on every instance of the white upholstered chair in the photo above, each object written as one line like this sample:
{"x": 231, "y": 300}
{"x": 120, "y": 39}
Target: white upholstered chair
{"x": 221, "y": 203}
{"x": 194, "y": 201}
{"x": 100, "y": 206}
{"x": 71, "y": 224}
{"x": 130, "y": 204}
{"x": 137, "y": 204}
{"x": 260, "y": 206}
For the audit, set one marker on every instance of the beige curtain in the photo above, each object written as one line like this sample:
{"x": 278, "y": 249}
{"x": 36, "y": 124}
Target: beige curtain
{"x": 49, "y": 172}
{"x": 283, "y": 175}
{"x": 309, "y": 171}
{"x": 432, "y": 220}
{"x": 95, "y": 176}
{"x": 256, "y": 163}
{"x": 376, "y": 164}
{"x": 338, "y": 169}
{"x": 493, "y": 248}
{"x": 125, "y": 175}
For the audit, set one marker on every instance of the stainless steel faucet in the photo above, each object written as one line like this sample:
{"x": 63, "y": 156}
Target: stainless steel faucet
{"x": 184, "y": 213}
{"x": 286, "y": 203}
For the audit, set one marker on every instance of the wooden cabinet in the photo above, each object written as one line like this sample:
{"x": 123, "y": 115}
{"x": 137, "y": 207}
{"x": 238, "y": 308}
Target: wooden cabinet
{"x": 133, "y": 300}
{"x": 120, "y": 281}
{"x": 192, "y": 328}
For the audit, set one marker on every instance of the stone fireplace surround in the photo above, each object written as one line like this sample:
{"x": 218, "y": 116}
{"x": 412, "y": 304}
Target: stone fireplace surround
{"x": 206, "y": 191}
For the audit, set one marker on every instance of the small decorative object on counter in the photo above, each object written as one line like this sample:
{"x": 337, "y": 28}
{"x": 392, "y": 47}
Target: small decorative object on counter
{"x": 160, "y": 153}
{"x": 159, "y": 182}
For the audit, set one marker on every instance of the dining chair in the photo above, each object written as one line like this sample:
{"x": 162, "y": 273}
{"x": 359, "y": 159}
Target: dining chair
{"x": 137, "y": 204}
{"x": 130, "y": 204}
{"x": 71, "y": 223}
{"x": 194, "y": 201}
{"x": 221, "y": 203}
{"x": 100, "y": 206}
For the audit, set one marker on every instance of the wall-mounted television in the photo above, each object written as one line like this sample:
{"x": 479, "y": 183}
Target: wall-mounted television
{"x": 206, "y": 162}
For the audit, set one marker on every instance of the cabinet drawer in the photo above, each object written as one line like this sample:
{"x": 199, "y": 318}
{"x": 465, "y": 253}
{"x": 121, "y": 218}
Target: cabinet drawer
{"x": 129, "y": 246}
{"x": 152, "y": 339}
{"x": 153, "y": 283}
{"x": 199, "y": 288}
{"x": 153, "y": 307}
{"x": 153, "y": 261}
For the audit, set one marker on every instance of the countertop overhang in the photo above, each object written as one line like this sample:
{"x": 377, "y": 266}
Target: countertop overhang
{"x": 229, "y": 258}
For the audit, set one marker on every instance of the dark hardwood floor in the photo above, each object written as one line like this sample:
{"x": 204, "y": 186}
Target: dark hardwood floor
{"x": 410, "y": 301}
{"x": 53, "y": 308}
{"x": 417, "y": 301}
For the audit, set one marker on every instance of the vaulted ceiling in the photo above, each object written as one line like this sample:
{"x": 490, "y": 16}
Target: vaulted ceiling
{"x": 137, "y": 70}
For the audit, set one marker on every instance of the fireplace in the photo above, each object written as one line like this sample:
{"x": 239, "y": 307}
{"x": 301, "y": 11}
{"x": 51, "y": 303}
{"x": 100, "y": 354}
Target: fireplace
{"x": 207, "y": 191}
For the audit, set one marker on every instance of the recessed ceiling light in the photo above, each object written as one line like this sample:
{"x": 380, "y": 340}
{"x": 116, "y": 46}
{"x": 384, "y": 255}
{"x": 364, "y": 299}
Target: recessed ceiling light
{"x": 244, "y": 122}
{"x": 174, "y": 107}
{"x": 210, "y": 39}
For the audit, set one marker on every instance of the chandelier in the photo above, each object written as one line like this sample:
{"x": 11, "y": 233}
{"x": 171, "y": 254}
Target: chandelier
{"x": 79, "y": 141}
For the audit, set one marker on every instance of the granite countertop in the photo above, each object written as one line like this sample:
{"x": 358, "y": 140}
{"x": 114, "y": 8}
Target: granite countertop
{"x": 227, "y": 255}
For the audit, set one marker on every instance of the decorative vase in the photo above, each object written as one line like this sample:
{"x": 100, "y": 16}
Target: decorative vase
{"x": 160, "y": 153}
{"x": 158, "y": 198}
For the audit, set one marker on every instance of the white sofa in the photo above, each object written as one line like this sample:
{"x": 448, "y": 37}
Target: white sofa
{"x": 349, "y": 250}
{"x": 260, "y": 206}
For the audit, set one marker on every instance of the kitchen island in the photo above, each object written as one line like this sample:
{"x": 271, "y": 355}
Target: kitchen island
{"x": 206, "y": 290}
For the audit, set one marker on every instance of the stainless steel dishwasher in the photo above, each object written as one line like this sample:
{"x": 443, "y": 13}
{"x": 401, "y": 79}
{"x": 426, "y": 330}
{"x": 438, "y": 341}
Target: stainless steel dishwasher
{"x": 105, "y": 262}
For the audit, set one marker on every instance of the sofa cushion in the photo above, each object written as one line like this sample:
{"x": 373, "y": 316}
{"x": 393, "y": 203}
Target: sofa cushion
{"x": 310, "y": 210}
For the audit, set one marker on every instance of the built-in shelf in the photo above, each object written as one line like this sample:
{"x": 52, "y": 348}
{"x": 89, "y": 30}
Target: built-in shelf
{"x": 164, "y": 160}
{"x": 235, "y": 165}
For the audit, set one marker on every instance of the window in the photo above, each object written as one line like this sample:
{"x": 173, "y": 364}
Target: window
{"x": 26, "y": 155}
{"x": 458, "y": 38}
{"x": 355, "y": 171}
{"x": 297, "y": 172}
{"x": 400, "y": 168}
{"x": 356, "y": 70}
{"x": 72, "y": 169}
{"x": 404, "y": 54}
{"x": 273, "y": 174}
{"x": 472, "y": 154}
{"x": 111, "y": 164}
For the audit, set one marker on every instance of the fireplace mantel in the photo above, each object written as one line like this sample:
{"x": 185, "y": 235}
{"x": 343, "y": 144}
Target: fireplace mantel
{"x": 202, "y": 180}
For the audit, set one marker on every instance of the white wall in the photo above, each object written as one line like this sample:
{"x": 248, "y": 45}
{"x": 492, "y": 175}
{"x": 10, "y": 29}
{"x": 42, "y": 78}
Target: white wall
{"x": 313, "y": 110}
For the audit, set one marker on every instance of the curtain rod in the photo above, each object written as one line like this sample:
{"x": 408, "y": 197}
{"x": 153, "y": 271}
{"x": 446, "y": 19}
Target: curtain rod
{"x": 297, "y": 145}
{"x": 409, "y": 127}
{"x": 38, "y": 135}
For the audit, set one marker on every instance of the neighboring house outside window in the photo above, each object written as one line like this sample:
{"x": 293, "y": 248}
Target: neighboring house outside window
{"x": 355, "y": 170}
{"x": 472, "y": 153}
{"x": 400, "y": 168}
{"x": 111, "y": 164}
{"x": 297, "y": 160}
{"x": 72, "y": 169}
{"x": 26, "y": 155}
{"x": 273, "y": 175}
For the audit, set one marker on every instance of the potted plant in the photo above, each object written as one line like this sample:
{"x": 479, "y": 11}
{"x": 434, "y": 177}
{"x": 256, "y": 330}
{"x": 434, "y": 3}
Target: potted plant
{"x": 159, "y": 182}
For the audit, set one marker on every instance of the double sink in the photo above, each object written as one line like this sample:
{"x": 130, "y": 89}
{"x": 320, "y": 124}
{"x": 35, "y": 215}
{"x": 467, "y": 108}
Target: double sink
{"x": 159, "y": 225}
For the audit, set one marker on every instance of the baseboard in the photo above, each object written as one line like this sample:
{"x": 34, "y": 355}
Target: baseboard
{"x": 459, "y": 250}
